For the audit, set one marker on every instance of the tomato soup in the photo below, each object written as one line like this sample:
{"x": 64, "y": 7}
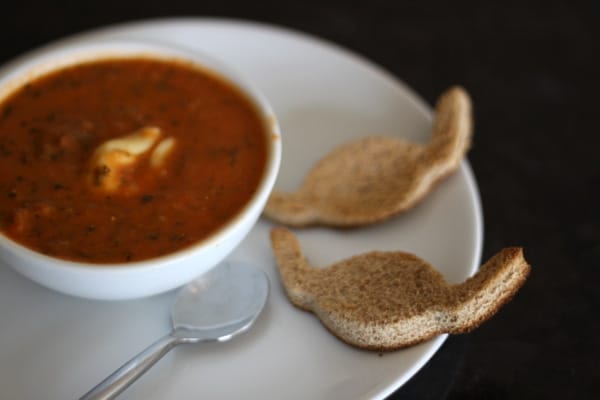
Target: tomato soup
{"x": 122, "y": 160}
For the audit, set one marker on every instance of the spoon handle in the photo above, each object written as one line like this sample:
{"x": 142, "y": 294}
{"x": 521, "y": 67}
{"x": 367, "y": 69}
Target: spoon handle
{"x": 119, "y": 380}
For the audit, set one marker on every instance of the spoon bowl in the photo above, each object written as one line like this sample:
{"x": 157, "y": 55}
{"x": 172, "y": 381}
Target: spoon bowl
{"x": 215, "y": 307}
{"x": 230, "y": 298}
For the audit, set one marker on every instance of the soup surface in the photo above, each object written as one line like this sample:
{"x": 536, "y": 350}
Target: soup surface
{"x": 126, "y": 159}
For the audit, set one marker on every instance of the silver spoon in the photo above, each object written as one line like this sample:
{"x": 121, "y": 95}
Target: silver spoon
{"x": 215, "y": 307}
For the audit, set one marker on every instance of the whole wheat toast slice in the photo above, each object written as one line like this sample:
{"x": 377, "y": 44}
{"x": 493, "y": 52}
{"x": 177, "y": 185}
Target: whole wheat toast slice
{"x": 374, "y": 178}
{"x": 389, "y": 300}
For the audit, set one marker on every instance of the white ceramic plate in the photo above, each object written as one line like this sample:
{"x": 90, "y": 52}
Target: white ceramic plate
{"x": 57, "y": 347}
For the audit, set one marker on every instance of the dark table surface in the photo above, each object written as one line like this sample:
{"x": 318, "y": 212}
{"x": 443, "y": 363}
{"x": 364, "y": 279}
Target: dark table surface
{"x": 530, "y": 71}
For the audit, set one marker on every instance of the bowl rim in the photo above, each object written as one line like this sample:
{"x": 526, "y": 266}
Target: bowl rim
{"x": 45, "y": 60}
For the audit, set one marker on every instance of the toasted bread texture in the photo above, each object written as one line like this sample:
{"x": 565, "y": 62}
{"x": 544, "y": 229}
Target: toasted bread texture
{"x": 390, "y": 300}
{"x": 374, "y": 178}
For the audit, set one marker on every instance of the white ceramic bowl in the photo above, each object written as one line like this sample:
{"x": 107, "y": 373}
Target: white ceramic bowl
{"x": 143, "y": 278}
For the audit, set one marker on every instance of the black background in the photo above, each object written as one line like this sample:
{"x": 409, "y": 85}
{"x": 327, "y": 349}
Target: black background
{"x": 530, "y": 69}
